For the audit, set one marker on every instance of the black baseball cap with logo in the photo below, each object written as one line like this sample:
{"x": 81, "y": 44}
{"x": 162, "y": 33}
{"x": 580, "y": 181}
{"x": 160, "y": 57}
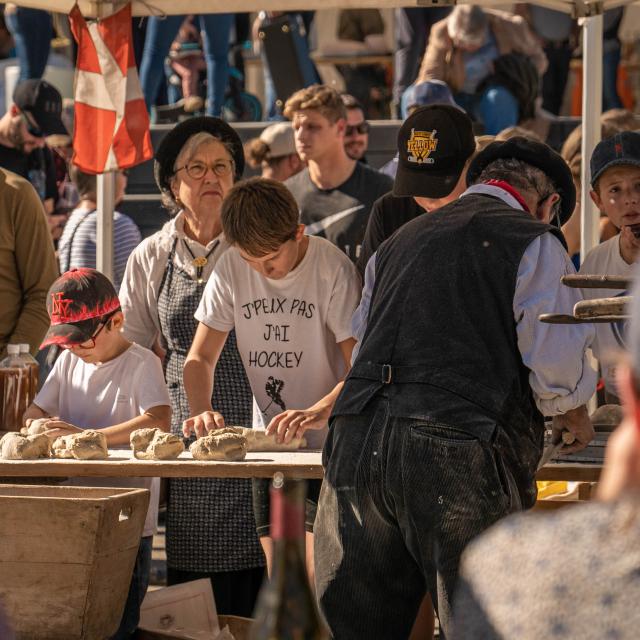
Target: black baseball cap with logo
{"x": 43, "y": 102}
{"x": 434, "y": 143}
{"x": 623, "y": 148}
{"x": 77, "y": 303}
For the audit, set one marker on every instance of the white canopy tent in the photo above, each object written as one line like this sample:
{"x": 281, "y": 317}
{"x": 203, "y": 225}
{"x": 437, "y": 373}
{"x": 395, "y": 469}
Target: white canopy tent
{"x": 590, "y": 11}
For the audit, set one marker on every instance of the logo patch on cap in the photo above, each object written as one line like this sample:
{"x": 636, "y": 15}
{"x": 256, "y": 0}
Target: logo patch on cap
{"x": 420, "y": 145}
{"x": 59, "y": 307}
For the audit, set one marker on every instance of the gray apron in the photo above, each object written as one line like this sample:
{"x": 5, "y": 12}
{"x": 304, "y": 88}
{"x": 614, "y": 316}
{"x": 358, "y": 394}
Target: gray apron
{"x": 210, "y": 524}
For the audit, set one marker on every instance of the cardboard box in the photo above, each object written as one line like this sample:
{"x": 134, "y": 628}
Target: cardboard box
{"x": 186, "y": 612}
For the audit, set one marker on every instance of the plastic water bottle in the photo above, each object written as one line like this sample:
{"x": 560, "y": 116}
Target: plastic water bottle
{"x": 14, "y": 377}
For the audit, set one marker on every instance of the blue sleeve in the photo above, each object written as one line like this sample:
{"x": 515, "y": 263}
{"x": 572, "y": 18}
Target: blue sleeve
{"x": 361, "y": 315}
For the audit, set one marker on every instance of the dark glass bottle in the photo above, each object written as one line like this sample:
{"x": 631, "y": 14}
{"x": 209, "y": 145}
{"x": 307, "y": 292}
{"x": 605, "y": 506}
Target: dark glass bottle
{"x": 286, "y": 608}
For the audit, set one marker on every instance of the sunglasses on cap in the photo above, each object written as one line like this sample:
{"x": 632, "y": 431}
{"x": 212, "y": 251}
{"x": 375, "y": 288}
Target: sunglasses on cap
{"x": 361, "y": 128}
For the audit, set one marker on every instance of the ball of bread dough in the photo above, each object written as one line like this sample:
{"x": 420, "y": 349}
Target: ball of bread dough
{"x": 15, "y": 446}
{"x": 39, "y": 425}
{"x": 87, "y": 445}
{"x": 222, "y": 444}
{"x": 258, "y": 440}
{"x": 140, "y": 439}
{"x": 155, "y": 444}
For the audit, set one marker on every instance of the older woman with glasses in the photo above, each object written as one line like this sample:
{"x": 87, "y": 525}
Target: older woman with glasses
{"x": 210, "y": 528}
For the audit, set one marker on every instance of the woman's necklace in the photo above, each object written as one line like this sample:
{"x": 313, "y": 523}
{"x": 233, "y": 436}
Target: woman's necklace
{"x": 201, "y": 261}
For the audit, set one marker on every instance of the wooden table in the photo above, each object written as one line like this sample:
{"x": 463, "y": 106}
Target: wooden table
{"x": 297, "y": 464}
{"x": 570, "y": 471}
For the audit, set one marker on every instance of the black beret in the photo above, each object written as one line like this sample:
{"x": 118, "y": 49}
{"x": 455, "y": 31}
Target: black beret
{"x": 537, "y": 154}
{"x": 173, "y": 142}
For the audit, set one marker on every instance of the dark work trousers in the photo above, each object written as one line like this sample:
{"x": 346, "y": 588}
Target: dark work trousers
{"x": 412, "y": 27}
{"x": 401, "y": 499}
{"x": 554, "y": 80}
{"x": 235, "y": 592}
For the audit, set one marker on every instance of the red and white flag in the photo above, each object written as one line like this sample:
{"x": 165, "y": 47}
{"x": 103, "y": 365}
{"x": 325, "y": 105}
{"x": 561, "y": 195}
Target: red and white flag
{"x": 111, "y": 128}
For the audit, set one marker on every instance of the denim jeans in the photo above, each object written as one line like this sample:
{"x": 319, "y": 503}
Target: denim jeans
{"x": 137, "y": 591}
{"x": 401, "y": 499}
{"x": 31, "y": 31}
{"x": 554, "y": 80}
{"x": 496, "y": 108}
{"x": 412, "y": 29}
{"x": 161, "y": 32}
{"x": 610, "y": 62}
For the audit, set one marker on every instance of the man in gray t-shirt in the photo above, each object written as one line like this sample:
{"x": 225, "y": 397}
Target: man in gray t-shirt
{"x": 334, "y": 193}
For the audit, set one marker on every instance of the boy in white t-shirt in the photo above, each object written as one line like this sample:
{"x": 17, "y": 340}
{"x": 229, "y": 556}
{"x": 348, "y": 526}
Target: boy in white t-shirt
{"x": 103, "y": 381}
{"x": 615, "y": 181}
{"x": 290, "y": 298}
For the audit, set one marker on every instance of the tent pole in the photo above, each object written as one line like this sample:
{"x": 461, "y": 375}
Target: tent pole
{"x": 106, "y": 206}
{"x": 591, "y": 134}
{"x": 106, "y": 188}
{"x": 591, "y": 130}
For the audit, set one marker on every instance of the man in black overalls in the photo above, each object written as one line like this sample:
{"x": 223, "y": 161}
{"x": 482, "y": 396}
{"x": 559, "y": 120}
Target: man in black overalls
{"x": 439, "y": 428}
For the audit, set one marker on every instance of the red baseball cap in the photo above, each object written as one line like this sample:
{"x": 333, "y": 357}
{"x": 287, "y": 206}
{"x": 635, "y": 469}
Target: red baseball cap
{"x": 77, "y": 303}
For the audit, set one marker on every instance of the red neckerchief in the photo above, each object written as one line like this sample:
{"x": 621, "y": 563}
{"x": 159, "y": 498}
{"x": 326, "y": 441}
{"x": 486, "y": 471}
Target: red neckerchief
{"x": 509, "y": 189}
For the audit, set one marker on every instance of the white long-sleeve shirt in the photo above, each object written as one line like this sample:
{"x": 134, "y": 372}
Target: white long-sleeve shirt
{"x": 560, "y": 376}
{"x": 145, "y": 270}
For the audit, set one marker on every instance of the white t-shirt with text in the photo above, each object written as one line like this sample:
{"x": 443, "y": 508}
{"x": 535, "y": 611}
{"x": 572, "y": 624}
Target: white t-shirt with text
{"x": 95, "y": 396}
{"x": 287, "y": 330}
{"x": 606, "y": 259}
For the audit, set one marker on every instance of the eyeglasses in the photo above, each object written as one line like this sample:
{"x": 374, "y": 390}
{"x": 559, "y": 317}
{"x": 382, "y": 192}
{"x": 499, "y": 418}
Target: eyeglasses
{"x": 197, "y": 170}
{"x": 91, "y": 342}
{"x": 32, "y": 129}
{"x": 361, "y": 128}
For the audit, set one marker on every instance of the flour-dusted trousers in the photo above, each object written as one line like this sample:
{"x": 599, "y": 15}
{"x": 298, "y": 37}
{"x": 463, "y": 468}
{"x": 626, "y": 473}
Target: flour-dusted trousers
{"x": 400, "y": 501}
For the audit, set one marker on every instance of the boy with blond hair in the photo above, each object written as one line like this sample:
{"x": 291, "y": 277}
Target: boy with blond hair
{"x": 334, "y": 193}
{"x": 290, "y": 298}
{"x": 615, "y": 181}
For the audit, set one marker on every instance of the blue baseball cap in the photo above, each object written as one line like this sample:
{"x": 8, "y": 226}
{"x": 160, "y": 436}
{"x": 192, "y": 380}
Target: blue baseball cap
{"x": 425, "y": 93}
{"x": 623, "y": 148}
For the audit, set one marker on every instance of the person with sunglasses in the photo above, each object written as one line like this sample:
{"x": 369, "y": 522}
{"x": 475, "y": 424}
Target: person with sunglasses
{"x": 103, "y": 381}
{"x": 34, "y": 116}
{"x": 196, "y": 165}
{"x": 356, "y": 134}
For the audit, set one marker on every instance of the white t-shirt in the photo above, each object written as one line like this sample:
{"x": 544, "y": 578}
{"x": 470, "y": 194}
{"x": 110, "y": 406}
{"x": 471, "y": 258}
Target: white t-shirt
{"x": 94, "y": 396}
{"x": 287, "y": 330}
{"x": 606, "y": 259}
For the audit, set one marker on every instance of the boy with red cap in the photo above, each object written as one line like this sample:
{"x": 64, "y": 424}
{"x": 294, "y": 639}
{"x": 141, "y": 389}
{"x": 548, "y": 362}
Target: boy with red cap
{"x": 103, "y": 381}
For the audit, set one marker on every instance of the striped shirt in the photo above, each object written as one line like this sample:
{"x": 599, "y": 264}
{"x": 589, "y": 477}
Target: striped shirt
{"x": 81, "y": 230}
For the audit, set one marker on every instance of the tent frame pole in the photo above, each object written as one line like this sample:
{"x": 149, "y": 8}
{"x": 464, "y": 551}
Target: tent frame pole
{"x": 106, "y": 187}
{"x": 106, "y": 183}
{"x": 591, "y": 128}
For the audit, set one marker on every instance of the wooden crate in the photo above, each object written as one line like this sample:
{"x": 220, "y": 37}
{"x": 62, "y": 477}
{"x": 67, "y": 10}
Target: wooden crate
{"x": 66, "y": 558}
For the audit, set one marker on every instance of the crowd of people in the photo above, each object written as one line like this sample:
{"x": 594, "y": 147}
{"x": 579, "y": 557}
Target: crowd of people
{"x": 496, "y": 63}
{"x": 390, "y": 317}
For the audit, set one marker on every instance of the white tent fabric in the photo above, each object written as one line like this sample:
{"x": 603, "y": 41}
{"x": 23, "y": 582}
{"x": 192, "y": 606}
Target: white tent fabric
{"x": 590, "y": 10}
{"x": 99, "y": 8}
